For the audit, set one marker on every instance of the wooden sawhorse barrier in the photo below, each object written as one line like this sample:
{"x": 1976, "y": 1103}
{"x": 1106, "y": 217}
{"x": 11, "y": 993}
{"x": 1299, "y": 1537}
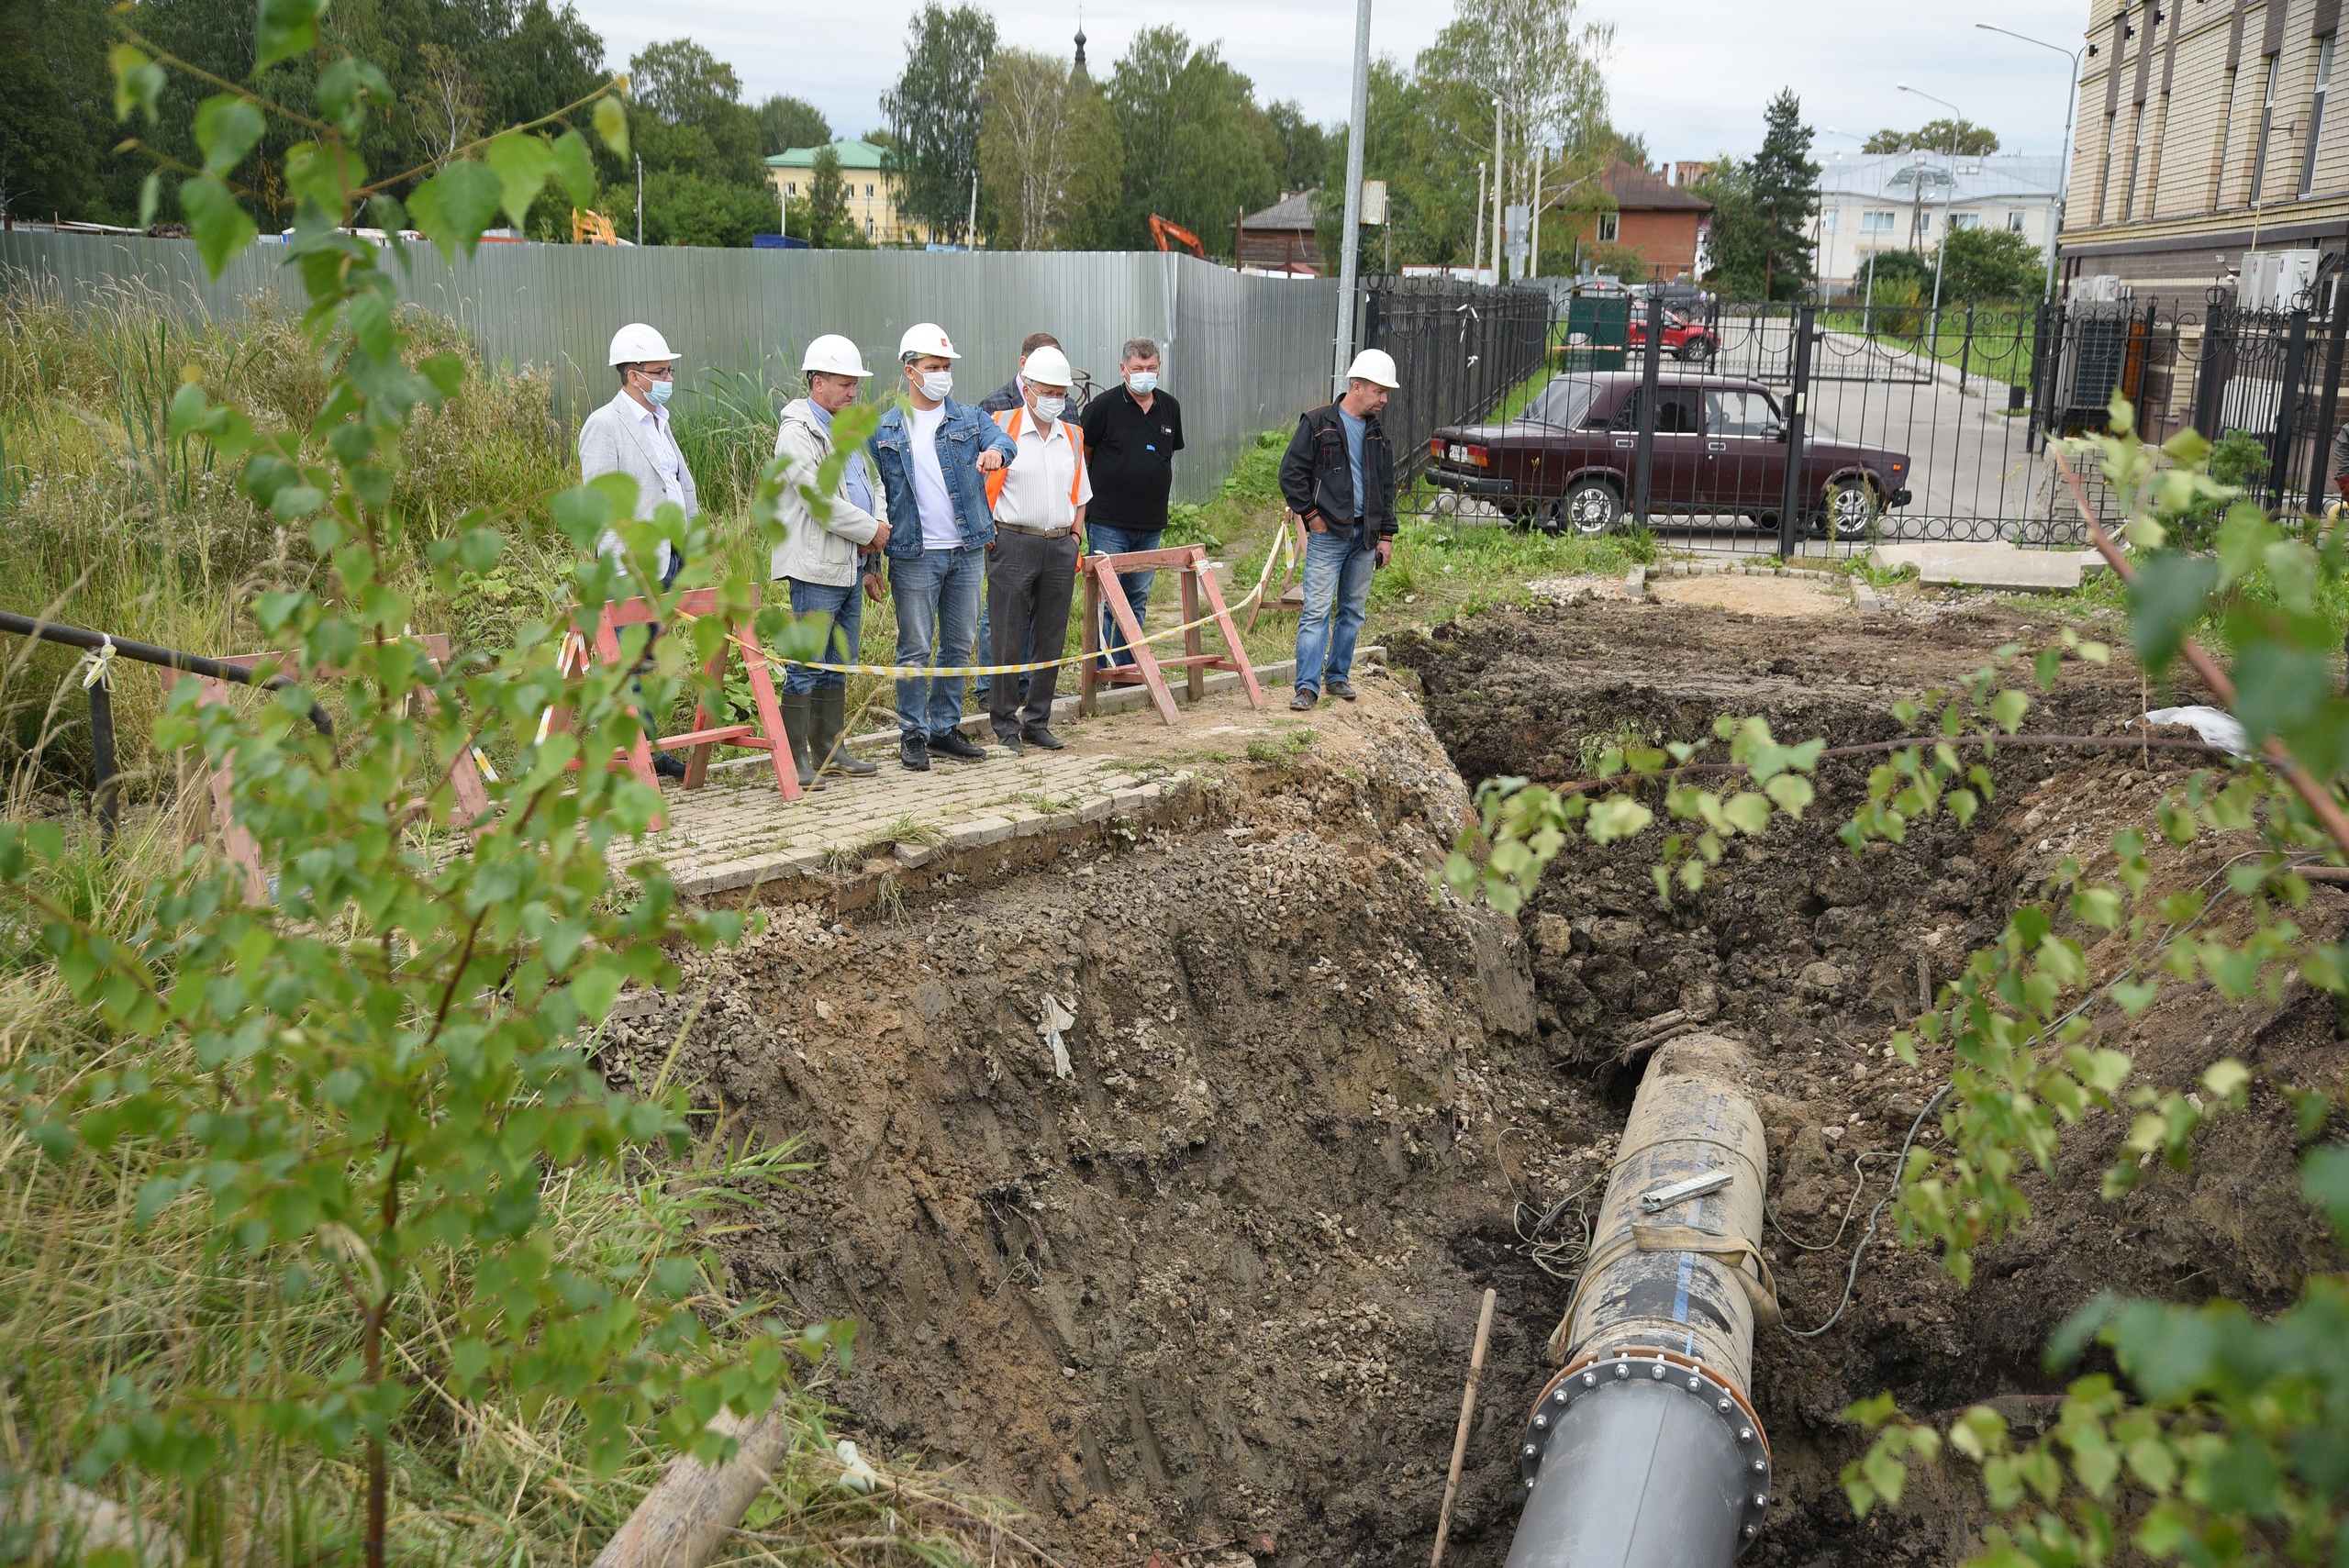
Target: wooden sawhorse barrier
{"x": 767, "y": 735}
{"x": 1190, "y": 561}
{"x": 464, "y": 773}
{"x": 1289, "y": 597}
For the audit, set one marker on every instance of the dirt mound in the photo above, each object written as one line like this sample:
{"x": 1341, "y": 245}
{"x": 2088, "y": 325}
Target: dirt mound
{"x": 1816, "y": 956}
{"x": 1218, "y": 1280}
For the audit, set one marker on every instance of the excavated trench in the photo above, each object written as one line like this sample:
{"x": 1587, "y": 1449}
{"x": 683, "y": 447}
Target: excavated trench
{"x": 1209, "y": 1282}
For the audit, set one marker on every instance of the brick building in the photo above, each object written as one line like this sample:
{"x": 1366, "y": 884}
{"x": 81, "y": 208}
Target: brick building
{"x": 2204, "y": 132}
{"x": 1649, "y": 216}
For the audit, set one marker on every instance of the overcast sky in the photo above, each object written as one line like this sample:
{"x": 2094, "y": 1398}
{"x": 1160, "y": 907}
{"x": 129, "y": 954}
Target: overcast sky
{"x": 1692, "y": 76}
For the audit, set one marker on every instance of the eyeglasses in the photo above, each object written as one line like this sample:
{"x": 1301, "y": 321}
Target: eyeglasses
{"x": 666, "y": 372}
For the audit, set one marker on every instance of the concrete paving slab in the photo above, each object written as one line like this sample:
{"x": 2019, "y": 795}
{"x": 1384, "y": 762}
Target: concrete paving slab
{"x": 2005, "y": 566}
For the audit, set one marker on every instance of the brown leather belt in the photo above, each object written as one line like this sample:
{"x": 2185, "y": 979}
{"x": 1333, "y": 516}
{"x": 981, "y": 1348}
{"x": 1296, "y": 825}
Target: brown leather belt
{"x": 1033, "y": 533}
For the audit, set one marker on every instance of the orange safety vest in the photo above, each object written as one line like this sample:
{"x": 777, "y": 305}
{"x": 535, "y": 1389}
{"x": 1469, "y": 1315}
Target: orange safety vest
{"x": 1008, "y": 419}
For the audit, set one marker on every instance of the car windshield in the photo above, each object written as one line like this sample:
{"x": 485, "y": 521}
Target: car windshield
{"x": 1565, "y": 402}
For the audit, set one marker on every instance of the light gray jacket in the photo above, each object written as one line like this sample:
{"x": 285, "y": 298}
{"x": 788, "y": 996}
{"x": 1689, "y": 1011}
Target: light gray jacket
{"x": 614, "y": 440}
{"x": 817, "y": 551}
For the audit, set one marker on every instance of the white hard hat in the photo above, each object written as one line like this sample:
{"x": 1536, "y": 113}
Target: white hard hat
{"x": 834, "y": 355}
{"x": 637, "y": 344}
{"x": 926, "y": 337}
{"x": 1374, "y": 365}
{"x": 1048, "y": 365}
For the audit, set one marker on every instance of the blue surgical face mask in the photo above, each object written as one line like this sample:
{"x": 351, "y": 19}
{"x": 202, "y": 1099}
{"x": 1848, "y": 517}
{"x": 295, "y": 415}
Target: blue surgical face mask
{"x": 1143, "y": 383}
{"x": 658, "y": 391}
{"x": 1049, "y": 407}
{"x": 935, "y": 384}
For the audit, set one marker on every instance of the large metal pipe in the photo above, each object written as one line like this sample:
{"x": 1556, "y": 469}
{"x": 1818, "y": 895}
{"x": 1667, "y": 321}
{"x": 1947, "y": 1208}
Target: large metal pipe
{"x": 1644, "y": 1451}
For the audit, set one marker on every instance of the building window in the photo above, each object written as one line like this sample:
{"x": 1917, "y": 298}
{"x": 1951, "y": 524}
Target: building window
{"x": 1958, "y": 220}
{"x": 2316, "y": 115}
{"x": 1610, "y": 228}
{"x": 868, "y": 193}
{"x": 2103, "y": 170}
{"x": 793, "y": 187}
{"x": 2217, "y": 195}
{"x": 1827, "y": 217}
{"x": 2017, "y": 219}
{"x": 1878, "y": 222}
{"x": 2266, "y": 124}
{"x": 2137, "y": 156}
{"x": 868, "y": 228}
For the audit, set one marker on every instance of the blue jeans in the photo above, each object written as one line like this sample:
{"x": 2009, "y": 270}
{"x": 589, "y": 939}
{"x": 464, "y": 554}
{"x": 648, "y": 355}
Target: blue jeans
{"x": 937, "y": 595}
{"x": 1337, "y": 588}
{"x": 846, "y": 609}
{"x": 1107, "y": 539}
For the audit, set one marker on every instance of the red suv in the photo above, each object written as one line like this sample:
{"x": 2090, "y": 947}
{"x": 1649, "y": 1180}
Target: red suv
{"x": 1683, "y": 339}
{"x": 1721, "y": 450}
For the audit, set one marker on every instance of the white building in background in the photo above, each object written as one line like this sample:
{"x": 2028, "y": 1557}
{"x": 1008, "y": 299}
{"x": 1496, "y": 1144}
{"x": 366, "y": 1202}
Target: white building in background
{"x": 1871, "y": 202}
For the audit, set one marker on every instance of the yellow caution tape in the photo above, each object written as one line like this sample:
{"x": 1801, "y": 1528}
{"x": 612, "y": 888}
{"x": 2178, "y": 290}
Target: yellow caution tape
{"x": 1284, "y": 545}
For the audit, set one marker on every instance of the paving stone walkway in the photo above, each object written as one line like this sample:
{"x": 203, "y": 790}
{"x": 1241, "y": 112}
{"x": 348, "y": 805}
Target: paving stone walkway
{"x": 738, "y": 831}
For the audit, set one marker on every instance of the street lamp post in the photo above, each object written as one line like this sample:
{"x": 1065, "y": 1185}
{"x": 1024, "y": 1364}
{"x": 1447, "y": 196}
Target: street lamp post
{"x": 1949, "y": 189}
{"x": 2064, "y": 157}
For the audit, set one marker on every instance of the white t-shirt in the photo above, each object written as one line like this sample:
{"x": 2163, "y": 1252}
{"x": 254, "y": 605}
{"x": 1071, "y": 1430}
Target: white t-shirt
{"x": 932, "y": 499}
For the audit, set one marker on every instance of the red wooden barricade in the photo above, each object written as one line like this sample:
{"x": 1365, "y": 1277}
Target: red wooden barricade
{"x": 1190, "y": 561}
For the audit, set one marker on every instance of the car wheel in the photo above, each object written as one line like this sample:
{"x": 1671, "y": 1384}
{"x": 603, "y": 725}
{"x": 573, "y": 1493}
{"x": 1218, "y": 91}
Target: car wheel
{"x": 1590, "y": 508}
{"x": 1850, "y": 512}
{"x": 1697, "y": 350}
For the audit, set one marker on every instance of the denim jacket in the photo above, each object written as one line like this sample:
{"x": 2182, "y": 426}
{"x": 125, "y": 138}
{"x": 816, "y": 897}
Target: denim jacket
{"x": 962, "y": 435}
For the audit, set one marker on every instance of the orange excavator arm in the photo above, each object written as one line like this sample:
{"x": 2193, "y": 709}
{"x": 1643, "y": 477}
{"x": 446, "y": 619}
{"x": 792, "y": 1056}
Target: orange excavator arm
{"x": 1161, "y": 229}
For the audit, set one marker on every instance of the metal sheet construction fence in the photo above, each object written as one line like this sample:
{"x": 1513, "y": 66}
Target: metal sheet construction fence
{"x": 1894, "y": 421}
{"x": 1243, "y": 354}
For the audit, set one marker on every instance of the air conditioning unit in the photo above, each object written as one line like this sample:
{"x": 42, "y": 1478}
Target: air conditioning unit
{"x": 2275, "y": 280}
{"x": 2103, "y": 288}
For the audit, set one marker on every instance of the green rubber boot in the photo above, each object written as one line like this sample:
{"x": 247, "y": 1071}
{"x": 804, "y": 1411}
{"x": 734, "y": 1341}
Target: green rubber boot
{"x": 799, "y": 723}
{"x": 833, "y": 755}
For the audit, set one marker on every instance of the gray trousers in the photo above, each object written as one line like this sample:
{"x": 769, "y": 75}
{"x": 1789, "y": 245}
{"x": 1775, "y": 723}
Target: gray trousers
{"x": 1029, "y": 584}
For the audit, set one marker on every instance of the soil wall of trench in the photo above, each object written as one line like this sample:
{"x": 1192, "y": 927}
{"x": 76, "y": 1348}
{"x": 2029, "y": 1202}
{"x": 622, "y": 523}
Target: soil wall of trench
{"x": 1205, "y": 1276}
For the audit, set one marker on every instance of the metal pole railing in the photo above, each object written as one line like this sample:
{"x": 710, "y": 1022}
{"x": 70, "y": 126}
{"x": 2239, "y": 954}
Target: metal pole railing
{"x": 1790, "y": 517}
{"x": 1650, "y": 367}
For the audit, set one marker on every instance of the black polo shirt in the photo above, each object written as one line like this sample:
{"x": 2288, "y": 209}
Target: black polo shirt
{"x": 1131, "y": 455}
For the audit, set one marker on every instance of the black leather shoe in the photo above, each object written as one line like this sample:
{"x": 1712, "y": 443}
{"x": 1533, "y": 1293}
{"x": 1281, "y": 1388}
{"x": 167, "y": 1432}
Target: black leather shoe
{"x": 666, "y": 766}
{"x": 912, "y": 753}
{"x": 1342, "y": 690}
{"x": 1305, "y": 697}
{"x": 1008, "y": 742}
{"x": 1042, "y": 740}
{"x": 957, "y": 745}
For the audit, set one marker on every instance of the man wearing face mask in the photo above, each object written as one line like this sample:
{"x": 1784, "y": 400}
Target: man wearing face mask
{"x": 1130, "y": 437}
{"x": 818, "y": 557}
{"x": 1039, "y": 504}
{"x": 1011, "y": 395}
{"x": 930, "y": 453}
{"x": 630, "y": 435}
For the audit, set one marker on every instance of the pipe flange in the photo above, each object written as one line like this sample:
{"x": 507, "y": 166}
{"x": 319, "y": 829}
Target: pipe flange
{"x": 1693, "y": 1379}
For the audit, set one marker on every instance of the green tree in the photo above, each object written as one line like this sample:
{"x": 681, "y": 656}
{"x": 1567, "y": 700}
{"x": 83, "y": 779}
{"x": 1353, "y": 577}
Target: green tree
{"x": 705, "y": 179}
{"x": 54, "y": 124}
{"x": 1990, "y": 264}
{"x": 1305, "y": 144}
{"x": 361, "y": 1069}
{"x": 1961, "y": 138}
{"x": 932, "y": 151}
{"x": 785, "y": 123}
{"x": 1197, "y": 147}
{"x": 1048, "y": 153}
{"x": 1783, "y": 185}
{"x": 827, "y": 219}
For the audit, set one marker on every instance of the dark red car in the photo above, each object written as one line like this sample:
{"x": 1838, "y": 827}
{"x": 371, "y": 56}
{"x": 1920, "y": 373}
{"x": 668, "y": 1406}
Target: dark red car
{"x": 1683, "y": 339}
{"x": 1721, "y": 451}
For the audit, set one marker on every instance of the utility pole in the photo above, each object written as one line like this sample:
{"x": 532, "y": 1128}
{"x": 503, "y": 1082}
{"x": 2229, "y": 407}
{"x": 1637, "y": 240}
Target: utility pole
{"x": 1533, "y": 256}
{"x": 971, "y": 229}
{"x": 639, "y": 198}
{"x": 1477, "y": 263}
{"x": 782, "y": 201}
{"x": 1350, "y": 262}
{"x": 2063, "y": 158}
{"x": 1497, "y": 166}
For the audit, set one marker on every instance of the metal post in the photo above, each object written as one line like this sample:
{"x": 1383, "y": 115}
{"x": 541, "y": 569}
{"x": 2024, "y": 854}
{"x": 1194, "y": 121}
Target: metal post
{"x": 639, "y": 198}
{"x": 102, "y": 794}
{"x": 1966, "y": 350}
{"x": 2212, "y": 364}
{"x": 2043, "y": 374}
{"x": 1790, "y": 506}
{"x": 1349, "y": 264}
{"x": 2287, "y": 408}
{"x": 1650, "y": 369}
{"x": 2318, "y": 461}
{"x": 1498, "y": 164}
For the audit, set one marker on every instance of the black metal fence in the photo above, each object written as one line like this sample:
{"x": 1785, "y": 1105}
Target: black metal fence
{"x": 1460, "y": 348}
{"x": 1780, "y": 426}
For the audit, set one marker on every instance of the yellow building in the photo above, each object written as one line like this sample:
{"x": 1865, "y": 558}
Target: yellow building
{"x": 872, "y": 194}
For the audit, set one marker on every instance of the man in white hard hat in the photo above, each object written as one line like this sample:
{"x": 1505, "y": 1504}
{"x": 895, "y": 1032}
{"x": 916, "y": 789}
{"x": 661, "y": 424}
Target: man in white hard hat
{"x": 931, "y": 453}
{"x": 1039, "y": 504}
{"x": 820, "y": 557}
{"x": 1011, "y": 395}
{"x": 1337, "y": 477}
{"x": 630, "y": 435}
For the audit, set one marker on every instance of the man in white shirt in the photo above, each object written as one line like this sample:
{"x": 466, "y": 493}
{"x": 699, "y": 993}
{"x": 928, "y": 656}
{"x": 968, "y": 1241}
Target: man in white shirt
{"x": 1039, "y": 503}
{"x": 630, "y": 435}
